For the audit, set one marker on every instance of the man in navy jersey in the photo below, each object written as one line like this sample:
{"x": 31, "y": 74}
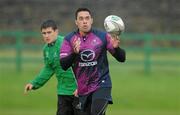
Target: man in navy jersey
{"x": 86, "y": 51}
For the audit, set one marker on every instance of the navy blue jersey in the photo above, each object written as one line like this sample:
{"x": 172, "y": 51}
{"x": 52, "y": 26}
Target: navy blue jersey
{"x": 90, "y": 66}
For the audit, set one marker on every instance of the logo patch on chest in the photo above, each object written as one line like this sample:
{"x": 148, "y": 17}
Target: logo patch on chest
{"x": 87, "y": 55}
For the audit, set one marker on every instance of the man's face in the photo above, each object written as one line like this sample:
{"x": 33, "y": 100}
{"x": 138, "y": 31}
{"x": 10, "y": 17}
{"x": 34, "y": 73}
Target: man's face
{"x": 49, "y": 35}
{"x": 84, "y": 21}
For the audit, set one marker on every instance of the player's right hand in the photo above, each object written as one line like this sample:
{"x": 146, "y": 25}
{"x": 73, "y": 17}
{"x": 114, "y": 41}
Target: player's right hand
{"x": 76, "y": 93}
{"x": 28, "y": 87}
{"x": 76, "y": 45}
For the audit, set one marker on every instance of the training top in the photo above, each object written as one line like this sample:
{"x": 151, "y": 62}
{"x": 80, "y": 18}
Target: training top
{"x": 66, "y": 81}
{"x": 90, "y": 65}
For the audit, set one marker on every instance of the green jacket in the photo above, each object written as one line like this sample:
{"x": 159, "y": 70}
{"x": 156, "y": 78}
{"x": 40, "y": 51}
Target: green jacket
{"x": 66, "y": 81}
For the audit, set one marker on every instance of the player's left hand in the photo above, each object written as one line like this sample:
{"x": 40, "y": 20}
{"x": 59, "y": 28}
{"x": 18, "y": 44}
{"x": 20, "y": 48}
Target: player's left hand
{"x": 115, "y": 40}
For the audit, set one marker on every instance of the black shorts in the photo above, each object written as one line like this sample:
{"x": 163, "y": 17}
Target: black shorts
{"x": 66, "y": 105}
{"x": 87, "y": 101}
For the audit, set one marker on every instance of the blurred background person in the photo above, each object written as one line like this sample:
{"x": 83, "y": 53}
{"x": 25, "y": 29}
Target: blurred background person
{"x": 66, "y": 87}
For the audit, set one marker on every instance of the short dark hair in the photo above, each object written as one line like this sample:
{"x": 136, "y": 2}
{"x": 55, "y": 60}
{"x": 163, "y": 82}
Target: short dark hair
{"x": 82, "y": 9}
{"x": 49, "y": 23}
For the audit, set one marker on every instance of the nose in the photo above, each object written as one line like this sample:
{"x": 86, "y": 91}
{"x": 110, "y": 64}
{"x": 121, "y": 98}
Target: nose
{"x": 84, "y": 21}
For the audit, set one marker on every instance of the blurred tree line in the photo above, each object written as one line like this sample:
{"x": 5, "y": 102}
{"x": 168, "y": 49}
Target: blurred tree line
{"x": 154, "y": 16}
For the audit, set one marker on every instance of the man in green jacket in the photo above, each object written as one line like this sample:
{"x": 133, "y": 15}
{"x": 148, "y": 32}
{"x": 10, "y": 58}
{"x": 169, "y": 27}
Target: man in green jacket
{"x": 66, "y": 87}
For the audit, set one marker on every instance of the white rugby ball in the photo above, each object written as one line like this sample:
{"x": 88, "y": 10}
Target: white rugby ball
{"x": 114, "y": 24}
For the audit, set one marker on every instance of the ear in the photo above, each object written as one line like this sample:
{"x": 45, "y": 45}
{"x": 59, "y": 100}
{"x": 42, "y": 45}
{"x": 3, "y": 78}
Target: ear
{"x": 91, "y": 20}
{"x": 57, "y": 31}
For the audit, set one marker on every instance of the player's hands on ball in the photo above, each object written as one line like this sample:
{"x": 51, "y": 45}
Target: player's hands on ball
{"x": 28, "y": 87}
{"x": 115, "y": 40}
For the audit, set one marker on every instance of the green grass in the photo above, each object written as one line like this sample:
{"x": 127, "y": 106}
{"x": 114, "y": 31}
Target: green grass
{"x": 14, "y": 102}
{"x": 134, "y": 92}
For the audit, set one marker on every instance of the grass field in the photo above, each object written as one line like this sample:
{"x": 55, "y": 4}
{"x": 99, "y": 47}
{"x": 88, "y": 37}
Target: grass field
{"x": 134, "y": 92}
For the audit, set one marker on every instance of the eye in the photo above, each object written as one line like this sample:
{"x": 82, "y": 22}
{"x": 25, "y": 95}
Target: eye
{"x": 43, "y": 33}
{"x": 49, "y": 32}
{"x": 80, "y": 18}
{"x": 87, "y": 18}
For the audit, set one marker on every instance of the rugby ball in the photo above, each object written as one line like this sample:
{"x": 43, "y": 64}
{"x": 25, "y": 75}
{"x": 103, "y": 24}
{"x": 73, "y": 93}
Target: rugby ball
{"x": 114, "y": 24}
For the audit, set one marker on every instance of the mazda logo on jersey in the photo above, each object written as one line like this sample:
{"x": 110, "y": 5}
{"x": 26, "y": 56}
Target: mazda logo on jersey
{"x": 87, "y": 55}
